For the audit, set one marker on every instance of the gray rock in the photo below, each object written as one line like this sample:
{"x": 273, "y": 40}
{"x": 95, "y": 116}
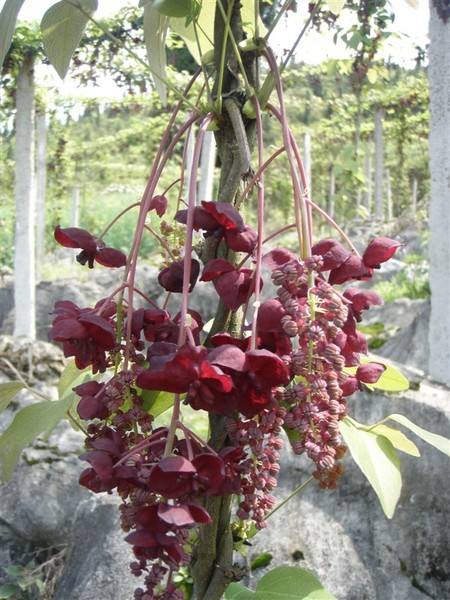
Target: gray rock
{"x": 98, "y": 558}
{"x": 399, "y": 313}
{"x": 39, "y": 502}
{"x": 410, "y": 346}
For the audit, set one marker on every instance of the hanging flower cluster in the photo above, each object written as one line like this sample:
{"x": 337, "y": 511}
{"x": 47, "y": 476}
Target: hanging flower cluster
{"x": 289, "y": 375}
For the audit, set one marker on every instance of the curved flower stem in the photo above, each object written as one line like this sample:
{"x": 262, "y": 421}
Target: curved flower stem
{"x": 163, "y": 242}
{"x": 301, "y": 217}
{"x": 110, "y": 297}
{"x": 190, "y": 228}
{"x": 257, "y": 175}
{"x": 140, "y": 227}
{"x": 195, "y": 437}
{"x": 147, "y": 298}
{"x": 259, "y": 247}
{"x": 297, "y": 490}
{"x": 114, "y": 221}
{"x": 173, "y": 184}
{"x": 176, "y": 412}
{"x": 187, "y": 270}
{"x": 166, "y": 301}
{"x": 146, "y": 443}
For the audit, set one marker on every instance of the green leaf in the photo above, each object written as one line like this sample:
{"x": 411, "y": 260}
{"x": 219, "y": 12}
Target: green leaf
{"x": 397, "y": 439}
{"x": 69, "y": 378}
{"x": 8, "y": 590}
{"x": 155, "y": 33}
{"x": 438, "y": 441}
{"x": 236, "y": 591}
{"x": 156, "y": 402}
{"x": 174, "y": 8}
{"x": 8, "y": 18}
{"x": 62, "y": 28}
{"x": 27, "y": 425}
{"x": 376, "y": 457}
{"x": 7, "y": 392}
{"x": 290, "y": 583}
{"x": 261, "y": 561}
{"x": 205, "y": 27}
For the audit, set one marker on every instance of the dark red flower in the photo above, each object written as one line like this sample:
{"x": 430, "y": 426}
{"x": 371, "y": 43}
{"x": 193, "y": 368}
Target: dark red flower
{"x": 379, "y": 251}
{"x": 277, "y": 258}
{"x": 84, "y": 334}
{"x": 159, "y": 205}
{"x": 255, "y": 374}
{"x": 171, "y": 278}
{"x": 219, "y": 339}
{"x": 172, "y": 477}
{"x": 370, "y": 372}
{"x": 91, "y": 248}
{"x": 91, "y": 405}
{"x": 361, "y": 300}
{"x": 350, "y": 386}
{"x": 189, "y": 371}
{"x": 332, "y": 252}
{"x": 224, "y": 221}
{"x": 210, "y": 473}
{"x": 234, "y": 286}
{"x": 352, "y": 268}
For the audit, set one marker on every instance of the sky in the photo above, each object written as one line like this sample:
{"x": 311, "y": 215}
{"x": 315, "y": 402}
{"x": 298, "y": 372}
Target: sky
{"x": 410, "y": 27}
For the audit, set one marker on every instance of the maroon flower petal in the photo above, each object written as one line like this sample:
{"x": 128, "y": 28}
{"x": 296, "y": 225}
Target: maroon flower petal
{"x": 164, "y": 380}
{"x": 91, "y": 408}
{"x": 219, "y": 339}
{"x": 176, "y": 464}
{"x": 225, "y": 215}
{"x": 101, "y": 462}
{"x": 242, "y": 241}
{"x": 90, "y": 388}
{"x": 100, "y": 330}
{"x": 352, "y": 268}
{"x": 270, "y": 315}
{"x": 357, "y": 343}
{"x": 183, "y": 515}
{"x": 216, "y": 267}
{"x": 332, "y": 252}
{"x": 277, "y": 258}
{"x": 379, "y": 251}
{"x": 210, "y": 471}
{"x": 159, "y": 204}
{"x": 171, "y": 278}
{"x": 228, "y": 356}
{"x": 202, "y": 219}
{"x": 269, "y": 369}
{"x": 74, "y": 237}
{"x": 110, "y": 257}
{"x": 67, "y": 329}
{"x": 142, "y": 539}
{"x": 370, "y": 372}
{"x": 213, "y": 378}
{"x": 349, "y": 386}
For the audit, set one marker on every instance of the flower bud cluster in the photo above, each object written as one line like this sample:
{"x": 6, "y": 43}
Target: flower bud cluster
{"x": 260, "y": 440}
{"x": 315, "y": 315}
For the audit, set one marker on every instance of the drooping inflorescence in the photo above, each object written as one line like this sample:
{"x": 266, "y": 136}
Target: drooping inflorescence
{"x": 289, "y": 376}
